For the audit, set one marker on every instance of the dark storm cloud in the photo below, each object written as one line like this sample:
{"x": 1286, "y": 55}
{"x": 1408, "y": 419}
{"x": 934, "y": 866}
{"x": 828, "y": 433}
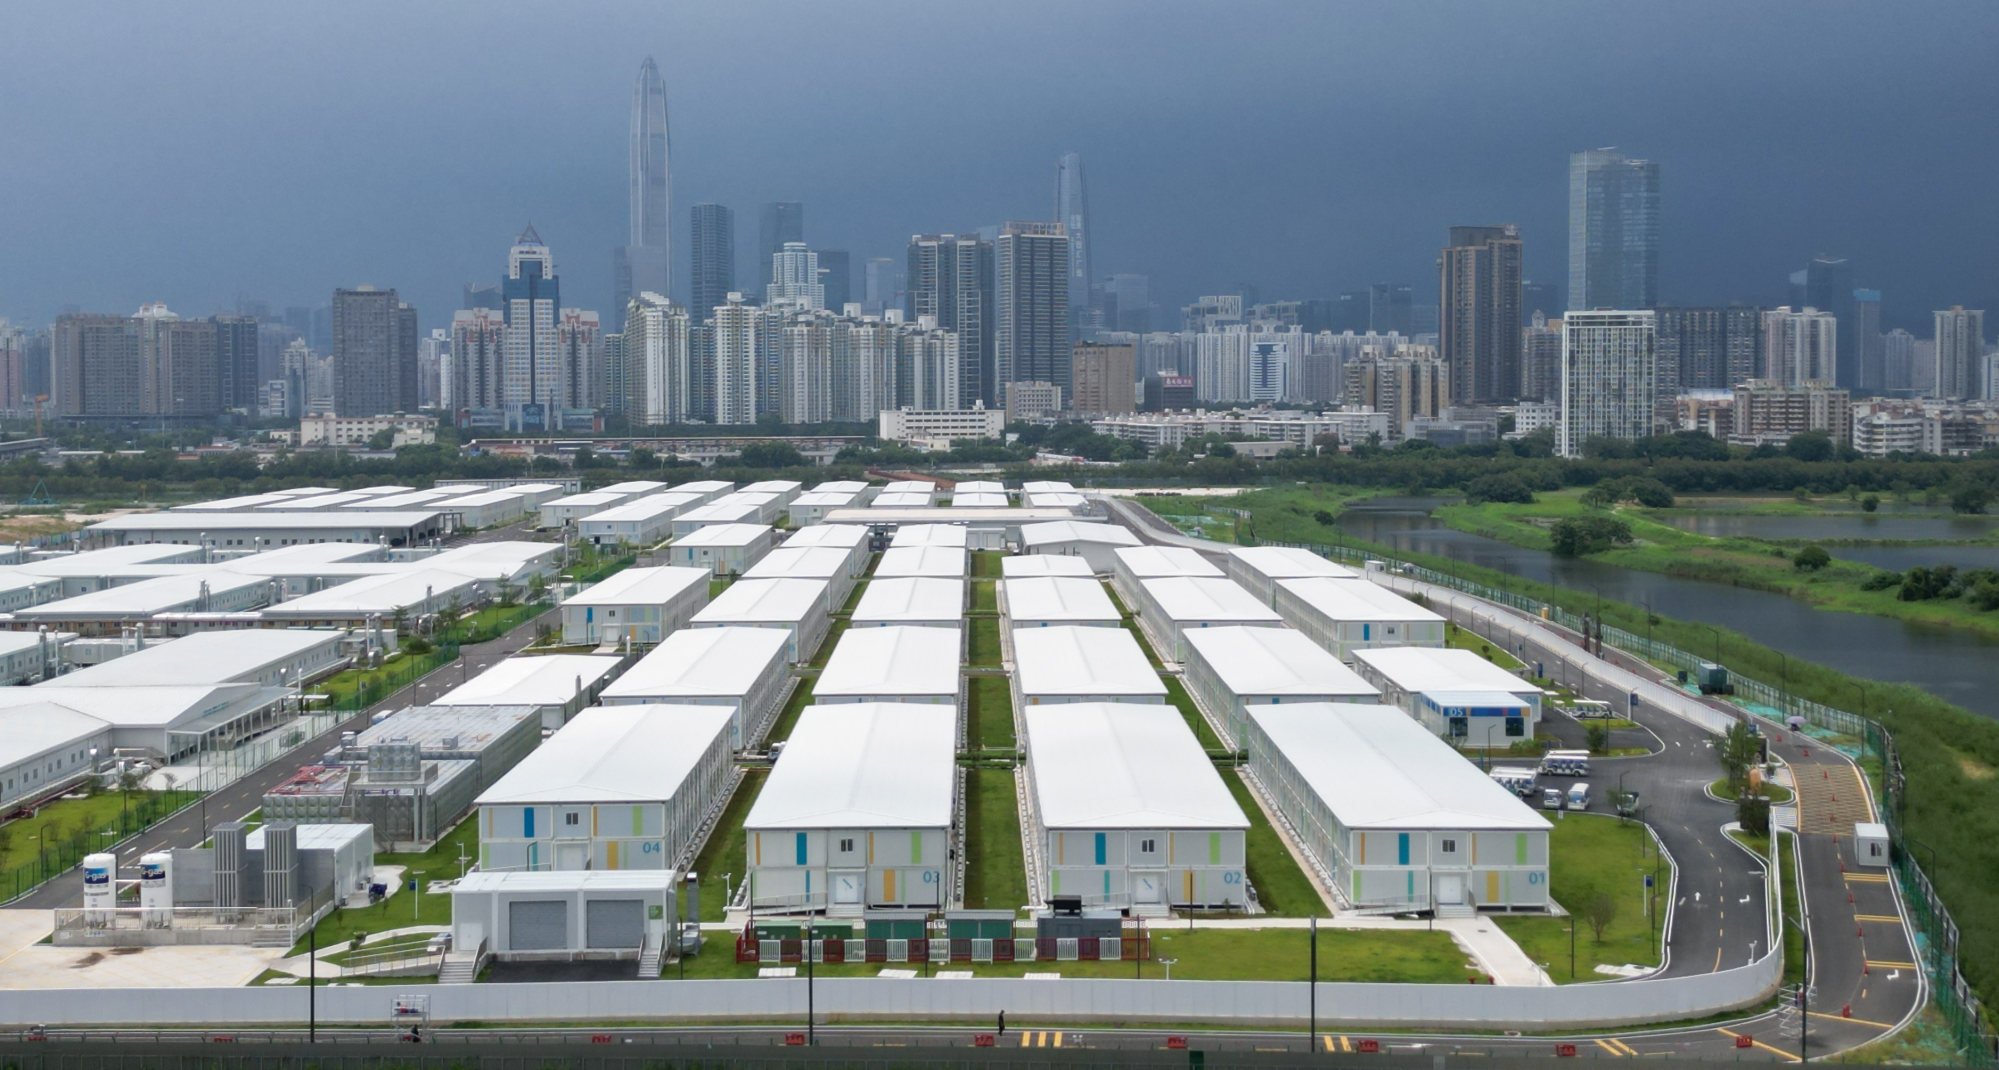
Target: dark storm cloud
{"x": 197, "y": 152}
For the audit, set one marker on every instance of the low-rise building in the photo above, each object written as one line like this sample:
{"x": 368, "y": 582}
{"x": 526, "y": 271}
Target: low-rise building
{"x": 742, "y": 670}
{"x": 1170, "y": 607}
{"x": 896, "y": 663}
{"x": 937, "y": 562}
{"x": 1054, "y": 601}
{"x": 1095, "y": 543}
{"x": 1454, "y": 693}
{"x": 724, "y": 549}
{"x": 638, "y": 522}
{"x": 637, "y": 605}
{"x": 910, "y": 600}
{"x": 1134, "y": 565}
{"x": 1066, "y": 664}
{"x": 358, "y": 432}
{"x": 1258, "y": 568}
{"x": 1232, "y": 669}
{"x": 1345, "y": 617}
{"x": 794, "y": 606}
{"x": 557, "y": 685}
{"x": 1025, "y": 566}
{"x": 940, "y": 425}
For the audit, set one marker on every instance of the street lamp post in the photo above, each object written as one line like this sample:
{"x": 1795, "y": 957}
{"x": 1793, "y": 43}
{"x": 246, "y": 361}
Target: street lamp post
{"x": 416, "y": 897}
{"x": 1717, "y": 641}
{"x": 1785, "y": 681}
{"x": 811, "y": 1017}
{"x": 1486, "y": 763}
{"x": 1861, "y": 686}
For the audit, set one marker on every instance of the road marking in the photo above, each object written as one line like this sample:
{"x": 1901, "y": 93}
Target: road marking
{"x": 1856, "y": 1021}
{"x": 1605, "y": 1045}
{"x": 1717, "y": 961}
{"x": 1867, "y": 878}
{"x": 1878, "y": 917}
{"x": 1760, "y": 1044}
{"x": 1345, "y": 1044}
{"x": 1875, "y": 964}
{"x": 1628, "y": 1049}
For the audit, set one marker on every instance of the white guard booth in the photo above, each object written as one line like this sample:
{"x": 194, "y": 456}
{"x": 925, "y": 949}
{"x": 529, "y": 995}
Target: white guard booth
{"x": 564, "y": 915}
{"x": 741, "y": 669}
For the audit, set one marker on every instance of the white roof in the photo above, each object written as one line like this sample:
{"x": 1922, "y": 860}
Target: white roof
{"x": 1288, "y": 563}
{"x": 615, "y": 754}
{"x": 746, "y": 497}
{"x": 599, "y": 498}
{"x": 979, "y": 486}
{"x": 408, "y": 498}
{"x": 1055, "y": 499}
{"x": 840, "y": 486}
{"x": 35, "y": 728}
{"x": 774, "y": 486}
{"x": 13, "y": 641}
{"x": 286, "y": 558}
{"x": 929, "y": 535}
{"x": 203, "y": 657}
{"x": 1275, "y": 661}
{"x": 547, "y": 680}
{"x": 322, "y": 501}
{"x": 1114, "y": 765}
{"x": 489, "y": 560}
{"x": 702, "y": 663}
{"x": 1060, "y": 531}
{"x": 259, "y": 520}
{"x": 911, "y": 598}
{"x": 801, "y": 562}
{"x": 94, "y": 562}
{"x": 646, "y": 508}
{"x": 148, "y": 706}
{"x": 1416, "y": 668}
{"x": 896, "y": 660}
{"x": 927, "y": 514}
{"x": 719, "y": 513}
{"x": 1376, "y": 767}
{"x": 1046, "y": 486}
{"x": 241, "y": 501}
{"x": 909, "y": 486}
{"x": 1348, "y": 601}
{"x": 634, "y": 486}
{"x": 382, "y": 594}
{"x": 1148, "y": 562}
{"x": 785, "y": 601}
{"x": 827, "y": 499}
{"x": 1075, "y": 660}
{"x": 945, "y": 561}
{"x": 488, "y": 882}
{"x": 899, "y": 500}
{"x": 863, "y": 765}
{"x": 963, "y": 500}
{"x": 482, "y": 497}
{"x": 319, "y": 837}
{"x": 642, "y": 586}
{"x": 844, "y": 536}
{"x": 1024, "y": 565}
{"x": 159, "y": 594}
{"x": 704, "y": 486}
{"x": 1207, "y": 598}
{"x": 724, "y": 535}
{"x": 1056, "y": 598}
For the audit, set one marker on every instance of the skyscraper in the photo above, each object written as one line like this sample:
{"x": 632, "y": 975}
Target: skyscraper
{"x": 1031, "y": 331}
{"x": 645, "y": 263}
{"x": 1479, "y": 319}
{"x": 1128, "y": 303}
{"x": 794, "y": 278}
{"x": 95, "y": 369}
{"x": 1106, "y": 379}
{"x": 1709, "y": 348}
{"x": 236, "y": 364}
{"x": 1391, "y": 309}
{"x": 951, "y": 279}
{"x": 1613, "y": 231}
{"x": 1960, "y": 352}
{"x": 1826, "y": 284}
{"x": 714, "y": 259}
{"x": 836, "y": 277}
{"x": 1867, "y": 340}
{"x": 778, "y": 223}
{"x": 882, "y": 287}
{"x": 374, "y": 353}
{"x": 739, "y": 342}
{"x": 1799, "y": 346}
{"x": 657, "y": 383}
{"x": 1072, "y": 210}
{"x": 1608, "y": 388}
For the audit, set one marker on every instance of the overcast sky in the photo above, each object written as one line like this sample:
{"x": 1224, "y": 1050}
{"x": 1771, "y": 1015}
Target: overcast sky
{"x": 200, "y": 152}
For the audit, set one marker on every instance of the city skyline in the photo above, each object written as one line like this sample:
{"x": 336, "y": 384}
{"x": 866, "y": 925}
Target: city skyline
{"x": 1726, "y": 235}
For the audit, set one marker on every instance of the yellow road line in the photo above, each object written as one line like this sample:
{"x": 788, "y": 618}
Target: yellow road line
{"x": 1058, "y": 1040}
{"x": 1867, "y": 878}
{"x": 1605, "y": 1045}
{"x": 1880, "y": 965}
{"x": 1628, "y": 1049}
{"x": 1345, "y": 1044}
{"x": 1856, "y": 1021}
{"x": 1877, "y": 917}
{"x": 1773, "y": 1050}
{"x": 1327, "y": 1040}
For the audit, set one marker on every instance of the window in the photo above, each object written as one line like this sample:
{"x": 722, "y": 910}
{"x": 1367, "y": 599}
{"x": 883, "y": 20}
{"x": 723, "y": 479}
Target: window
{"x": 847, "y": 845}
{"x": 1459, "y": 727}
{"x": 572, "y": 819}
{"x": 1148, "y": 846}
{"x": 1516, "y": 726}
{"x": 1449, "y": 847}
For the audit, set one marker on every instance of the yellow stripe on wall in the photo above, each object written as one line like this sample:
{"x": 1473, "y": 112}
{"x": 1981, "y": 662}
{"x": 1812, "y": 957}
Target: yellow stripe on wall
{"x": 888, "y": 883}
{"x": 611, "y": 855}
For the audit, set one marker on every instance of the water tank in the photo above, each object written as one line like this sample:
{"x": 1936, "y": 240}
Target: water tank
{"x": 100, "y": 889}
{"x": 156, "y": 889}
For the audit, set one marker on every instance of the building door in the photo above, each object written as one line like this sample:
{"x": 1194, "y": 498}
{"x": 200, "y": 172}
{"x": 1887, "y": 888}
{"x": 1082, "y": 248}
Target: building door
{"x": 614, "y": 924}
{"x": 1450, "y": 888}
{"x": 1148, "y": 889}
{"x": 538, "y": 925}
{"x": 847, "y": 888}
{"x": 572, "y": 856}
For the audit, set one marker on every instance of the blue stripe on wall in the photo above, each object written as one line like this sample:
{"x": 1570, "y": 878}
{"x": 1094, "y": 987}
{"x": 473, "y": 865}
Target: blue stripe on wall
{"x": 1103, "y": 849}
{"x": 802, "y": 855}
{"x": 1402, "y": 849}
{"x": 527, "y": 822}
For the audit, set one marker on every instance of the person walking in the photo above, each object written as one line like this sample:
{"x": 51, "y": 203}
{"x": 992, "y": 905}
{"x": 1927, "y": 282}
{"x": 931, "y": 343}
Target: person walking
{"x": 1002, "y": 1023}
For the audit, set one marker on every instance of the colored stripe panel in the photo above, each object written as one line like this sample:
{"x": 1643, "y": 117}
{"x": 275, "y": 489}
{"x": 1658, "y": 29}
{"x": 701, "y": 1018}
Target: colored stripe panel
{"x": 1214, "y": 848}
{"x": 801, "y": 851}
{"x": 1401, "y": 848}
{"x": 1103, "y": 852}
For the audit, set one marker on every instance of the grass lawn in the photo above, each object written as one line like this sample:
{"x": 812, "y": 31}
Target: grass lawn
{"x": 787, "y": 718}
{"x": 1459, "y": 639}
{"x": 854, "y": 598}
{"x": 985, "y": 642}
{"x": 996, "y": 878}
{"x": 1794, "y": 931}
{"x": 1176, "y": 693}
{"x": 719, "y": 584}
{"x": 402, "y": 910}
{"x": 989, "y": 716}
{"x": 1145, "y": 644}
{"x": 1280, "y": 885}
{"x": 833, "y": 633}
{"x": 985, "y": 596}
{"x": 725, "y": 852}
{"x": 1406, "y": 955}
{"x": 1593, "y": 854}
{"x": 986, "y": 563}
{"x": 1778, "y": 794}
{"x": 353, "y": 689}
{"x": 91, "y": 818}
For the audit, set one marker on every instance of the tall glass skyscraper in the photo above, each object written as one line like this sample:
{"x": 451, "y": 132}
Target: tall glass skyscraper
{"x": 1613, "y": 231}
{"x": 1072, "y": 210}
{"x": 713, "y": 260}
{"x": 644, "y": 264}
{"x": 779, "y": 223}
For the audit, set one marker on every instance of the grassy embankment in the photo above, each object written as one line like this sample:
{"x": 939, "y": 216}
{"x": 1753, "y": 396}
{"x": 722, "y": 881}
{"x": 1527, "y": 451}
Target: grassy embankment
{"x": 1590, "y": 856}
{"x": 1950, "y": 756}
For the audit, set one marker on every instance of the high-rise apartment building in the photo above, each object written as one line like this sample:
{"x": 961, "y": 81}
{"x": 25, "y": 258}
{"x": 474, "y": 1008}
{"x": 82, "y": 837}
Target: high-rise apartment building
{"x": 532, "y": 365}
{"x": 1709, "y": 348}
{"x": 1769, "y": 412}
{"x": 374, "y": 353}
{"x": 14, "y": 397}
{"x": 95, "y": 367}
{"x": 1407, "y": 388}
{"x": 1960, "y": 352}
{"x": 1799, "y": 346}
{"x": 236, "y": 349}
{"x": 478, "y": 343}
{"x": 951, "y": 280}
{"x": 1867, "y": 341}
{"x": 794, "y": 278}
{"x": 713, "y": 249}
{"x": 1031, "y": 330}
{"x": 1542, "y": 297}
{"x": 1541, "y": 359}
{"x": 881, "y": 285}
{"x": 1106, "y": 379}
{"x": 740, "y": 340}
{"x": 1826, "y": 284}
{"x": 836, "y": 278}
{"x": 1898, "y": 361}
{"x": 1479, "y": 314}
{"x": 1073, "y": 212}
{"x": 657, "y": 383}
{"x": 778, "y": 224}
{"x": 645, "y": 263}
{"x": 1391, "y": 309}
{"x": 1212, "y": 313}
{"x": 433, "y": 370}
{"x": 1128, "y": 303}
{"x": 1613, "y": 231}
{"x": 1609, "y": 384}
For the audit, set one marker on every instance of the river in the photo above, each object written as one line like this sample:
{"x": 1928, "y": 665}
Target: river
{"x": 1953, "y": 665}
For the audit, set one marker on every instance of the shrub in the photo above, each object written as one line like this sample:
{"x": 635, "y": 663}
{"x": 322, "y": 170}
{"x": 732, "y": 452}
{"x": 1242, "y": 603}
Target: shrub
{"x": 1574, "y": 537}
{"x": 1499, "y": 487}
{"x": 1811, "y": 559}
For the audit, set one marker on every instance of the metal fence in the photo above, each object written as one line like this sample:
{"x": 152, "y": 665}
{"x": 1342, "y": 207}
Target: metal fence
{"x": 61, "y": 841}
{"x": 1956, "y": 1001}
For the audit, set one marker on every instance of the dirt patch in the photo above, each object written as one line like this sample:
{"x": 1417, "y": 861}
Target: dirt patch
{"x": 1974, "y": 769}
{"x": 87, "y": 961}
{"x": 21, "y": 528}
{"x": 127, "y": 950}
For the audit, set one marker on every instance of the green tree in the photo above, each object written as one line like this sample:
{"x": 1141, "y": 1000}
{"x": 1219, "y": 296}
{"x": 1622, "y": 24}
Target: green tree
{"x": 1869, "y": 503}
{"x": 1739, "y": 749}
{"x": 1970, "y": 498}
{"x": 1811, "y": 558}
{"x": 385, "y": 439}
{"x": 1499, "y": 487}
{"x": 771, "y": 455}
{"x": 1752, "y": 812}
{"x": 1598, "y": 736}
{"x": 1599, "y": 909}
{"x": 1809, "y": 446}
{"x": 1579, "y": 536}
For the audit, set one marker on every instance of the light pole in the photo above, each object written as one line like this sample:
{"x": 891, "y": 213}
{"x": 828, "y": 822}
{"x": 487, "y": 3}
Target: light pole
{"x": 416, "y": 898}
{"x": 1717, "y": 641}
{"x": 1786, "y": 680}
{"x": 1861, "y": 686}
{"x": 811, "y": 1018}
{"x": 1486, "y": 764}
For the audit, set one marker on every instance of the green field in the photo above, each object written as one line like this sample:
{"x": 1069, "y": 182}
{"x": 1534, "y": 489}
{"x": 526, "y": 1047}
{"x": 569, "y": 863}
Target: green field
{"x": 826, "y": 646}
{"x": 1281, "y": 887}
{"x": 1593, "y": 854}
{"x": 985, "y": 596}
{"x": 1778, "y": 794}
{"x": 726, "y": 853}
{"x": 1176, "y": 694}
{"x": 986, "y": 563}
{"x": 996, "y": 873}
{"x": 34, "y": 849}
{"x": 787, "y": 718}
{"x": 405, "y": 909}
{"x": 1459, "y": 639}
{"x": 989, "y": 713}
{"x": 983, "y": 645}
{"x": 853, "y": 598}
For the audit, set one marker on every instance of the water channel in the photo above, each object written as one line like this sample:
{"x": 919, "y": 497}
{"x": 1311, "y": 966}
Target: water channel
{"x": 1955, "y": 666}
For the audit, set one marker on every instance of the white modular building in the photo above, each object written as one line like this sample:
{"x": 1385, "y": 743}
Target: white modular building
{"x": 965, "y": 500}
{"x": 1346, "y": 617}
{"x": 573, "y": 507}
{"x": 787, "y": 490}
{"x": 1094, "y": 543}
{"x": 812, "y": 507}
{"x": 724, "y": 549}
{"x": 1393, "y": 817}
{"x": 897, "y": 663}
{"x": 1229, "y": 670}
{"x": 909, "y": 486}
{"x": 1134, "y": 565}
{"x": 26, "y": 656}
{"x": 1069, "y": 500}
{"x": 484, "y": 509}
{"x": 706, "y": 489}
{"x": 1454, "y": 693}
{"x": 796, "y": 607}
{"x": 273, "y": 657}
{"x": 516, "y": 560}
{"x": 769, "y": 507}
{"x": 912, "y": 600}
{"x": 635, "y": 486}
{"x": 1126, "y": 811}
{"x": 900, "y": 500}
{"x": 743, "y": 670}
{"x": 717, "y": 512}
{"x": 619, "y": 787}
{"x": 564, "y": 915}
{"x": 1047, "y": 486}
{"x": 46, "y": 747}
{"x": 202, "y": 591}
{"x": 1171, "y": 606}
{"x": 1023, "y": 566}
{"x": 1053, "y": 601}
{"x": 937, "y": 562}
{"x": 861, "y": 489}
{"x": 559, "y": 685}
{"x": 640, "y": 605}
{"x": 979, "y": 486}
{"x": 1077, "y": 664}
{"x": 946, "y": 535}
{"x": 643, "y": 521}
{"x": 1259, "y": 568}
{"x": 414, "y": 592}
{"x": 858, "y": 813}
{"x": 246, "y": 528}
{"x": 832, "y": 564}
{"x": 852, "y": 538}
